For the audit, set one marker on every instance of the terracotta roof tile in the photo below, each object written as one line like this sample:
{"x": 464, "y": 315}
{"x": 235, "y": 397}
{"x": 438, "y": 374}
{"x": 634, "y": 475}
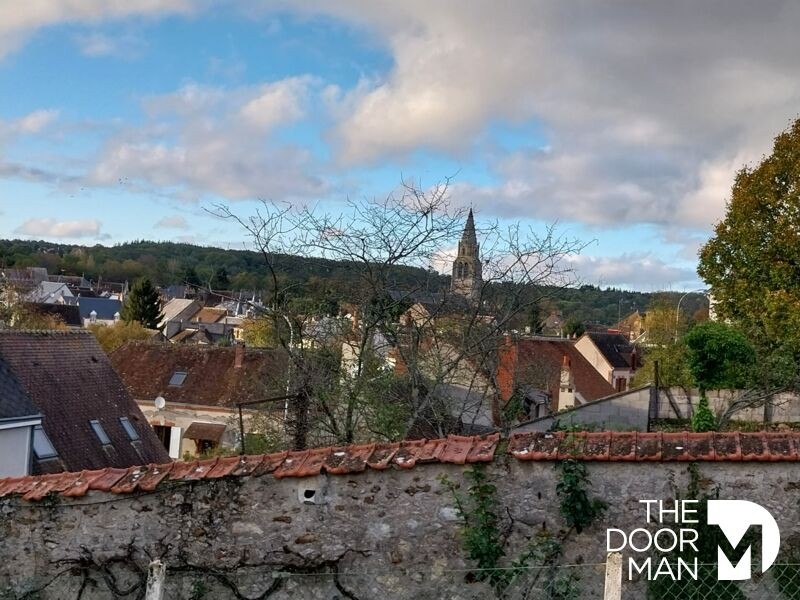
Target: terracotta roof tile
{"x": 224, "y": 467}
{"x": 648, "y": 446}
{"x": 201, "y": 469}
{"x": 383, "y": 455}
{"x": 622, "y": 446}
{"x": 153, "y": 476}
{"x": 598, "y": 446}
{"x": 483, "y": 448}
{"x": 781, "y": 446}
{"x": 182, "y": 469}
{"x": 269, "y": 463}
{"x": 674, "y": 446}
{"x": 106, "y": 479}
{"x": 349, "y": 459}
{"x": 585, "y": 446}
{"x": 754, "y": 446}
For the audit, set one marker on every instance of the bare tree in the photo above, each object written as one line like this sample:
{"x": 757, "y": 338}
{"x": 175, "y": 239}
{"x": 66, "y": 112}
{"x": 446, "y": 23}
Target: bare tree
{"x": 442, "y": 346}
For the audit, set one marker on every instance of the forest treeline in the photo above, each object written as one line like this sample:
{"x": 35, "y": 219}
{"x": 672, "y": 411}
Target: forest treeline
{"x": 309, "y": 278}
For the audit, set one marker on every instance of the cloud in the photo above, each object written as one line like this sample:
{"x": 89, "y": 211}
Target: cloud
{"x": 98, "y": 45}
{"x": 31, "y": 123}
{"x": 18, "y": 20}
{"x": 50, "y": 228}
{"x": 632, "y": 271}
{"x": 172, "y": 222}
{"x": 203, "y": 141}
{"x": 646, "y": 110}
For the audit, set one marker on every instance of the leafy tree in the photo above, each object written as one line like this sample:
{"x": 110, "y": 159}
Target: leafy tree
{"x": 221, "y": 280}
{"x": 190, "y": 277}
{"x": 720, "y": 357}
{"x": 574, "y": 327}
{"x": 665, "y": 345}
{"x": 703, "y": 419}
{"x": 143, "y": 304}
{"x": 753, "y": 260}
{"x": 111, "y": 337}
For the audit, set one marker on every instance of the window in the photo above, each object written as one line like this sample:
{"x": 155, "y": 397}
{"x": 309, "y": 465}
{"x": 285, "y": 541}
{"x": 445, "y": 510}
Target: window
{"x": 42, "y": 447}
{"x": 100, "y": 432}
{"x": 129, "y": 428}
{"x": 177, "y": 379}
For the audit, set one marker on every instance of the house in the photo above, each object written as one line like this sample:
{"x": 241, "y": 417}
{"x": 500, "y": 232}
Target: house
{"x": 200, "y": 387}
{"x": 633, "y": 326}
{"x": 19, "y": 419}
{"x": 547, "y": 374}
{"x": 88, "y": 419}
{"x": 611, "y": 354}
{"x": 187, "y": 321}
{"x": 50, "y": 292}
{"x": 98, "y": 311}
{"x": 553, "y": 325}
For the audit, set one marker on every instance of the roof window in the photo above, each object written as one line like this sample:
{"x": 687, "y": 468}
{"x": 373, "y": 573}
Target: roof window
{"x": 42, "y": 446}
{"x": 100, "y": 432}
{"x": 129, "y": 428}
{"x": 177, "y": 379}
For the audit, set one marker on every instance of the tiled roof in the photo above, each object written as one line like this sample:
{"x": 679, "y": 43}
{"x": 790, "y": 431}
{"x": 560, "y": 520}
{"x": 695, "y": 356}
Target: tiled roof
{"x": 212, "y": 379}
{"x": 535, "y": 446}
{"x": 205, "y": 431}
{"x": 69, "y": 379}
{"x": 615, "y": 347}
{"x": 14, "y": 402}
{"x": 542, "y": 358}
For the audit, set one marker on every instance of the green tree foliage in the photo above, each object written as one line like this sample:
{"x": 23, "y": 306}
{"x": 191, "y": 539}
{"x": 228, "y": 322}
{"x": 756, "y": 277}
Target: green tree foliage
{"x": 190, "y": 277}
{"x": 665, "y": 346}
{"x": 753, "y": 260}
{"x": 720, "y": 357}
{"x": 574, "y": 327}
{"x": 703, "y": 419}
{"x": 143, "y": 304}
{"x": 221, "y": 281}
{"x": 111, "y": 337}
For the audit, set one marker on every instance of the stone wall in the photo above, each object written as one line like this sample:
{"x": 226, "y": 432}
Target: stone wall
{"x": 372, "y": 535}
{"x": 633, "y": 410}
{"x": 626, "y": 411}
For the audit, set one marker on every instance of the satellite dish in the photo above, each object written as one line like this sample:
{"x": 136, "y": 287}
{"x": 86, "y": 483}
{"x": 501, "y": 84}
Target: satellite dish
{"x": 160, "y": 403}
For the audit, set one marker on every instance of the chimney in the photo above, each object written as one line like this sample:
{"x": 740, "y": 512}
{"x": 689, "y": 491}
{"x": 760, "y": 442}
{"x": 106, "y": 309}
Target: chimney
{"x": 238, "y": 357}
{"x": 566, "y": 393}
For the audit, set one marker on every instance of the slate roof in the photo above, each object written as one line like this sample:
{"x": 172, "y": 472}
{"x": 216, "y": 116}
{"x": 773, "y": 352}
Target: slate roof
{"x": 541, "y": 357}
{"x": 603, "y": 446}
{"x": 14, "y": 402}
{"x": 70, "y": 380}
{"x": 615, "y": 347}
{"x": 104, "y": 307}
{"x": 68, "y": 313}
{"x": 212, "y": 378}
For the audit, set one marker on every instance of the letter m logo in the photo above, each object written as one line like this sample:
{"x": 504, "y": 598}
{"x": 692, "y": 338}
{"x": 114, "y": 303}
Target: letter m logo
{"x": 734, "y": 518}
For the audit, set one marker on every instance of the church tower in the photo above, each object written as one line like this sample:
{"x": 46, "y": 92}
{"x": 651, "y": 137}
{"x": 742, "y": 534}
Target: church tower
{"x": 467, "y": 279}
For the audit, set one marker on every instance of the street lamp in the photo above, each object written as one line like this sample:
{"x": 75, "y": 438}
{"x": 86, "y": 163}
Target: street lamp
{"x": 678, "y": 309}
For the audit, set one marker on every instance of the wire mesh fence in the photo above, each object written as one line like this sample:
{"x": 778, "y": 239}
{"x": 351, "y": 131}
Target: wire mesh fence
{"x": 780, "y": 582}
{"x": 411, "y": 582}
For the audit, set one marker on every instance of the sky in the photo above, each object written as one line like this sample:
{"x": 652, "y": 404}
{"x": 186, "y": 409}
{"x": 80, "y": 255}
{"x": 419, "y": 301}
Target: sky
{"x": 622, "y": 122}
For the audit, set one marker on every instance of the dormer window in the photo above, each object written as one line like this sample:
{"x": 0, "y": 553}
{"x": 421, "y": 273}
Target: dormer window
{"x": 177, "y": 379}
{"x": 129, "y": 428}
{"x": 100, "y": 432}
{"x": 42, "y": 446}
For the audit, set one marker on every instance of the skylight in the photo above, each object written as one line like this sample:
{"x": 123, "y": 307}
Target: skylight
{"x": 177, "y": 379}
{"x": 42, "y": 447}
{"x": 100, "y": 432}
{"x": 129, "y": 428}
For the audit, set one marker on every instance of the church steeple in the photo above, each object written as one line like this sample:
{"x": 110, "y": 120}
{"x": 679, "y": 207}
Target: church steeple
{"x": 467, "y": 276}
